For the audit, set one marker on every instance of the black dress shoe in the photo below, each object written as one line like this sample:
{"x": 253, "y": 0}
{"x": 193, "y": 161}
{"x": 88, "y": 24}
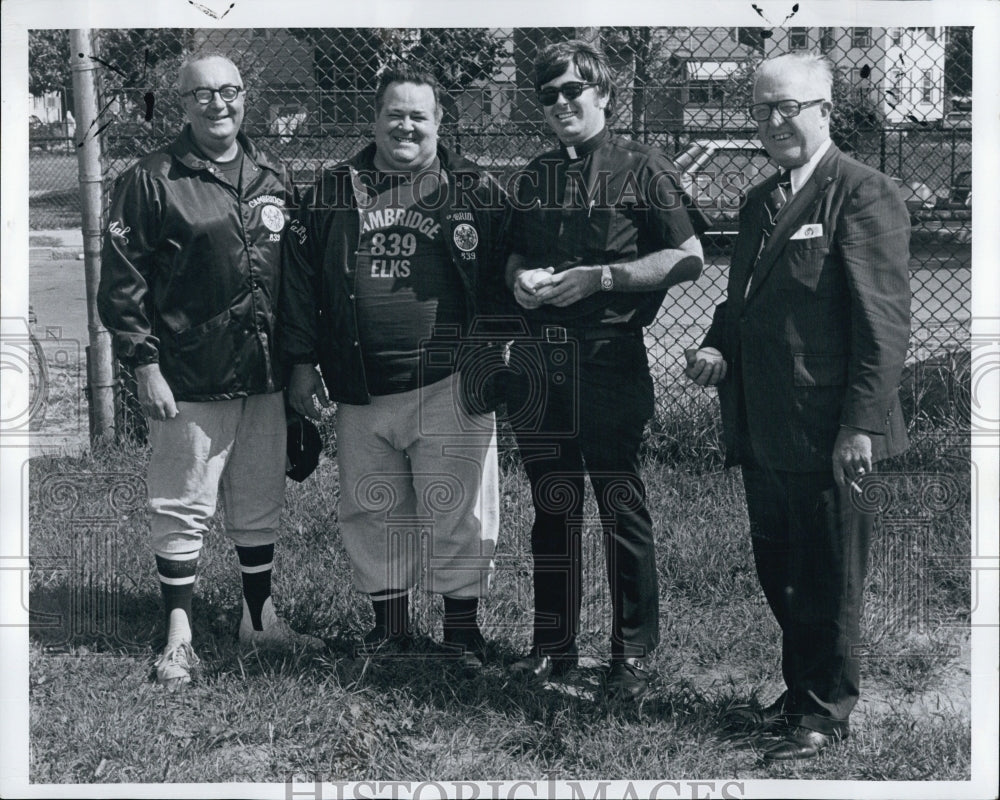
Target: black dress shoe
{"x": 542, "y": 667}
{"x": 769, "y": 718}
{"x": 802, "y": 743}
{"x": 468, "y": 645}
{"x": 627, "y": 679}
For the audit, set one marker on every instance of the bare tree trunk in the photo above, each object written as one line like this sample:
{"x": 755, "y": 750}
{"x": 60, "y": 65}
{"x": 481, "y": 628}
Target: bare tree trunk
{"x": 640, "y": 42}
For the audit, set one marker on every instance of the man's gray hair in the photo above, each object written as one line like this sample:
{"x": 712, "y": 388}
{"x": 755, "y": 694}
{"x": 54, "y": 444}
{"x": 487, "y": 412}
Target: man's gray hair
{"x": 202, "y": 55}
{"x": 817, "y": 67}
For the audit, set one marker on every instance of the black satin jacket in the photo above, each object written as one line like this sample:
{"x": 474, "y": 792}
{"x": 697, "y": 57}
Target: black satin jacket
{"x": 191, "y": 271}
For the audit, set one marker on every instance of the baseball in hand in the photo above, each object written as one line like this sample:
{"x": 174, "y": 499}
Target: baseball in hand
{"x": 707, "y": 354}
{"x": 533, "y": 280}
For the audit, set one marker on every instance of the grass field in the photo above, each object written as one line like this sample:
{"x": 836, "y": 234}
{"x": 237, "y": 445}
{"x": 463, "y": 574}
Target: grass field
{"x": 97, "y": 716}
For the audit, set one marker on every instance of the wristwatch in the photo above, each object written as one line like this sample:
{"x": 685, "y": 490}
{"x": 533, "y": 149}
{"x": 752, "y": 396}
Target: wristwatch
{"x": 607, "y": 282}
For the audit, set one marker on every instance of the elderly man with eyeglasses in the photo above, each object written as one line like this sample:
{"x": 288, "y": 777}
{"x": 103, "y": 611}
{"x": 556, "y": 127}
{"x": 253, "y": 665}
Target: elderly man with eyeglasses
{"x": 190, "y": 276}
{"x": 601, "y": 230}
{"x": 807, "y": 352}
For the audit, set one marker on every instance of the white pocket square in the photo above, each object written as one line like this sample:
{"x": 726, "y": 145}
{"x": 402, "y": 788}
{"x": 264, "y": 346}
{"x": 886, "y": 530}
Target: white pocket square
{"x": 812, "y": 231}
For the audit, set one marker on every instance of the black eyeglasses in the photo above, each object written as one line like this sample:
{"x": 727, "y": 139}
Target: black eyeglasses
{"x": 228, "y": 93}
{"x": 570, "y": 90}
{"x": 761, "y": 112}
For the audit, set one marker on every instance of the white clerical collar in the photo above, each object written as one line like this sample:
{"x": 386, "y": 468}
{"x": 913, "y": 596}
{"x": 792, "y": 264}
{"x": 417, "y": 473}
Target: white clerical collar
{"x": 801, "y": 175}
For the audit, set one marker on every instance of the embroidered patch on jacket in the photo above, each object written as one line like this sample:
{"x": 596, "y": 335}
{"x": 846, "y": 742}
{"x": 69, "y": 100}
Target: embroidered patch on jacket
{"x": 466, "y": 237}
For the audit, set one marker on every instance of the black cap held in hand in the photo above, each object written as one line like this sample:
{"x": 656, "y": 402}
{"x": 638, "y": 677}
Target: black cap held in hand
{"x": 303, "y": 447}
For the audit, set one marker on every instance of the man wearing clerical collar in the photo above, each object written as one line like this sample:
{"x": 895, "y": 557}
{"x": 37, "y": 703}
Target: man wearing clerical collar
{"x": 601, "y": 230}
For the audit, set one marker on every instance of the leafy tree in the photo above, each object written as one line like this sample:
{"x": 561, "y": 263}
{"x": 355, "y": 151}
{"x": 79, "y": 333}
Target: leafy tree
{"x": 650, "y": 76}
{"x": 629, "y": 49}
{"x": 458, "y": 56}
{"x": 132, "y": 63}
{"x": 48, "y": 61}
{"x": 348, "y": 61}
{"x": 958, "y": 62}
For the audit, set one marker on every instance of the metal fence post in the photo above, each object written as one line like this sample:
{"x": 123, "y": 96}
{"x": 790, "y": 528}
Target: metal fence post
{"x": 100, "y": 373}
{"x": 951, "y": 163}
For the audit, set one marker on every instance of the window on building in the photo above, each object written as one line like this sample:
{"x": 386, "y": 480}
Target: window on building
{"x": 798, "y": 39}
{"x": 927, "y": 87}
{"x": 897, "y": 36}
{"x": 826, "y": 40}
{"x": 707, "y": 93}
{"x": 931, "y": 33}
{"x": 861, "y": 37}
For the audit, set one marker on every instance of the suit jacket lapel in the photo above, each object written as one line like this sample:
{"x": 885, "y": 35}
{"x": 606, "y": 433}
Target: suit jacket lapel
{"x": 791, "y": 216}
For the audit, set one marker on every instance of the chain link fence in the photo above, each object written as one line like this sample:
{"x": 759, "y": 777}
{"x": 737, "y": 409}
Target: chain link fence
{"x": 900, "y": 99}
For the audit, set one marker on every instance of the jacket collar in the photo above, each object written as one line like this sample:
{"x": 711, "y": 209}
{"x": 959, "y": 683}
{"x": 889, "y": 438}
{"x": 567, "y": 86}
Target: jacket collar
{"x": 575, "y": 152}
{"x": 791, "y": 215}
{"x": 186, "y": 151}
{"x": 450, "y": 162}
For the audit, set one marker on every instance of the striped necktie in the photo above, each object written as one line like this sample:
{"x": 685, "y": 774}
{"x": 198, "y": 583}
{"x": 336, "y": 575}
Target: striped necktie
{"x": 773, "y": 204}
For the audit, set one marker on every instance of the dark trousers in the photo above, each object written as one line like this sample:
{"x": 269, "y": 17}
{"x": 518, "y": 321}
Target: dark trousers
{"x": 810, "y": 546}
{"x": 576, "y": 409}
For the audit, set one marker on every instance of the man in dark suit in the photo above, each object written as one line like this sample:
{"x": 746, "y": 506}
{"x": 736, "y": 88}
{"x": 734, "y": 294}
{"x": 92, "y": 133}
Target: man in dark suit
{"x": 807, "y": 352}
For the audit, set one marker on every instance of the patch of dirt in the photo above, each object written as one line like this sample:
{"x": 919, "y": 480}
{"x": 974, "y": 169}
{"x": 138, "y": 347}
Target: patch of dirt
{"x": 948, "y": 690}
{"x": 942, "y": 684}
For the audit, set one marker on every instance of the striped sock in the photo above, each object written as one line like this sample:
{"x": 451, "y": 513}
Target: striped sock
{"x": 392, "y": 610}
{"x": 177, "y": 575}
{"x": 255, "y": 566}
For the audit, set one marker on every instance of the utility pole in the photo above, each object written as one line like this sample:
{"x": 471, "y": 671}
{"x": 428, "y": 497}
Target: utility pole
{"x": 100, "y": 370}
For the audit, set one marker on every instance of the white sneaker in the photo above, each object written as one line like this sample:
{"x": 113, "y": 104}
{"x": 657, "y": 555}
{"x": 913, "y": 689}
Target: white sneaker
{"x": 276, "y": 633}
{"x": 174, "y": 666}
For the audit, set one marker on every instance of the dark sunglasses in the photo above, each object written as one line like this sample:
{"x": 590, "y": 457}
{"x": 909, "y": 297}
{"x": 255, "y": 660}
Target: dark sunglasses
{"x": 570, "y": 90}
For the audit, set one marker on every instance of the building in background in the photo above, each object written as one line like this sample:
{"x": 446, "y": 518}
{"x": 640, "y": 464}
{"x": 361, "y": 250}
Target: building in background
{"x": 900, "y": 71}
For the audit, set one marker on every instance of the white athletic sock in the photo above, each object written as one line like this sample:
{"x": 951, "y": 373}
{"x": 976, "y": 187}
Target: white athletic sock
{"x": 179, "y": 629}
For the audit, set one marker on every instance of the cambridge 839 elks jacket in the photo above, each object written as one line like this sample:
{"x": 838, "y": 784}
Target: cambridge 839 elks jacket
{"x": 318, "y": 315}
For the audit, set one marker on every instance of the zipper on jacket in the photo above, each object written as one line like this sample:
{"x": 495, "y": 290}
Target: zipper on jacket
{"x": 352, "y": 299}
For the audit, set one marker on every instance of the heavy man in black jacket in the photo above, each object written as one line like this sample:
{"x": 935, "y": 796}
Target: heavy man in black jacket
{"x": 388, "y": 268}
{"x": 190, "y": 276}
